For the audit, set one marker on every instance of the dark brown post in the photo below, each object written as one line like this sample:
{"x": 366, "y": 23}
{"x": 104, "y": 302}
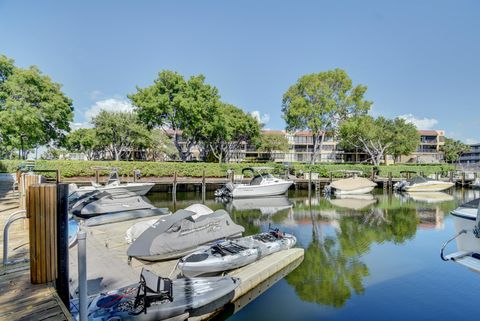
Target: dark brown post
{"x": 204, "y": 185}
{"x": 309, "y": 182}
{"x": 390, "y": 183}
{"x": 463, "y": 178}
{"x": 97, "y": 176}
{"x": 436, "y": 176}
{"x": 451, "y": 176}
{"x": 174, "y": 187}
{"x": 61, "y": 283}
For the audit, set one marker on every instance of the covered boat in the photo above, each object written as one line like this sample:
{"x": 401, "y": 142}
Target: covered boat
{"x": 113, "y": 183}
{"x": 262, "y": 184}
{"x": 353, "y": 202}
{"x": 156, "y": 298}
{"x": 351, "y": 186}
{"x": 422, "y": 184}
{"x": 175, "y": 235}
{"x": 103, "y": 202}
{"x": 232, "y": 254}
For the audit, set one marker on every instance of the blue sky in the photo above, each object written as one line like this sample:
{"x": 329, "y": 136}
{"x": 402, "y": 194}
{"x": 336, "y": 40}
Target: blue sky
{"x": 418, "y": 58}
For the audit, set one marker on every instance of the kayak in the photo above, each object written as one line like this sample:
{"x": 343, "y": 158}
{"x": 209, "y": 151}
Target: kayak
{"x": 155, "y": 298}
{"x": 232, "y": 254}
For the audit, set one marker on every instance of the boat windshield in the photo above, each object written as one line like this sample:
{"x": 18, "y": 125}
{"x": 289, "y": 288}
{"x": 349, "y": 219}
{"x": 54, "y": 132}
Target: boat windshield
{"x": 418, "y": 180}
{"x": 113, "y": 178}
{"x": 256, "y": 180}
{"x": 472, "y": 204}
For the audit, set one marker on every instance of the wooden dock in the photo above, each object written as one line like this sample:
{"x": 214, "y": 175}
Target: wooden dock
{"x": 19, "y": 299}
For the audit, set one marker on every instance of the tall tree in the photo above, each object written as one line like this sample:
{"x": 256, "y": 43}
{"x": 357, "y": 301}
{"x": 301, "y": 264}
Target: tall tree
{"x": 320, "y": 102}
{"x": 453, "y": 149}
{"x": 378, "y": 137}
{"x": 121, "y": 132}
{"x": 183, "y": 106}
{"x": 82, "y": 140}
{"x": 271, "y": 142}
{"x": 33, "y": 109}
{"x": 161, "y": 146}
{"x": 230, "y": 128}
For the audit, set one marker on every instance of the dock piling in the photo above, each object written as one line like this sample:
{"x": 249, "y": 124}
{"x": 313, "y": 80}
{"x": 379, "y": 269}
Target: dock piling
{"x": 82, "y": 274}
{"x": 62, "y": 282}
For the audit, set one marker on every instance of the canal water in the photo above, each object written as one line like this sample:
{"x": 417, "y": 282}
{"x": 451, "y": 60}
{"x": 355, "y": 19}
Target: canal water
{"x": 366, "y": 258}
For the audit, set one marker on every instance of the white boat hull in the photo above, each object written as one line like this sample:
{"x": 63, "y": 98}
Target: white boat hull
{"x": 363, "y": 190}
{"x": 242, "y": 190}
{"x": 429, "y": 187}
{"x": 138, "y": 188}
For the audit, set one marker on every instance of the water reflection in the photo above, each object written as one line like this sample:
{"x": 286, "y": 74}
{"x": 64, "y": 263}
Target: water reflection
{"x": 339, "y": 234}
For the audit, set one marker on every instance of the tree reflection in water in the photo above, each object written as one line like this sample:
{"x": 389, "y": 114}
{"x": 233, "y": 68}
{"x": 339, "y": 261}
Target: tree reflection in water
{"x": 332, "y": 269}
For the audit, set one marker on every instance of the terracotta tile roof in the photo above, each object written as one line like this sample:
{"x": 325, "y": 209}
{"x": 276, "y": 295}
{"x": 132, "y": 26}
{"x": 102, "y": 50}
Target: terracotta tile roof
{"x": 428, "y": 132}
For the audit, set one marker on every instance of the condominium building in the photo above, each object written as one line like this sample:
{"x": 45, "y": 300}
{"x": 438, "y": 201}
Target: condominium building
{"x": 471, "y": 157}
{"x": 301, "y": 149}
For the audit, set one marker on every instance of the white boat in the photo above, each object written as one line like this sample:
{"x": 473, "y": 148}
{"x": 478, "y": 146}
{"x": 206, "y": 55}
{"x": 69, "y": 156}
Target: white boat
{"x": 113, "y": 184}
{"x": 262, "y": 184}
{"x": 350, "y": 186}
{"x": 467, "y": 226}
{"x": 422, "y": 184}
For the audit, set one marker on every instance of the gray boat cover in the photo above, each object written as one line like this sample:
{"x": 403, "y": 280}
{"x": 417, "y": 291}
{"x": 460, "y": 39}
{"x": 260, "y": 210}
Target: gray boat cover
{"x": 125, "y": 216}
{"x": 173, "y": 236}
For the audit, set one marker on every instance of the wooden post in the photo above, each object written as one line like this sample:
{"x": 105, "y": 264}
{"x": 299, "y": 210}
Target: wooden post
{"x": 97, "y": 176}
{"x": 331, "y": 177}
{"x": 62, "y": 282}
{"x": 134, "y": 176}
{"x": 373, "y": 173}
{"x": 204, "y": 186}
{"x": 451, "y": 176}
{"x": 463, "y": 179}
{"x": 42, "y": 214}
{"x": 436, "y": 176}
{"x": 422, "y": 174}
{"x": 26, "y": 180}
{"x": 390, "y": 183}
{"x": 232, "y": 177}
{"x": 309, "y": 182}
{"x": 174, "y": 187}
{"x": 58, "y": 176}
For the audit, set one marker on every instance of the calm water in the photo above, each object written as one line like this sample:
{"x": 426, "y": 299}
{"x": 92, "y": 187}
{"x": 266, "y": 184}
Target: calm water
{"x": 365, "y": 259}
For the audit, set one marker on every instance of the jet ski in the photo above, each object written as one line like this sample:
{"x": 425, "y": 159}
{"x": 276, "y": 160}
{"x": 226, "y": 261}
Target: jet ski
{"x": 156, "y": 298}
{"x": 232, "y": 254}
{"x": 173, "y": 236}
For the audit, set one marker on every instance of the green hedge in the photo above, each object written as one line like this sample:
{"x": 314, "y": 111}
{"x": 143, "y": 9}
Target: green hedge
{"x": 84, "y": 168}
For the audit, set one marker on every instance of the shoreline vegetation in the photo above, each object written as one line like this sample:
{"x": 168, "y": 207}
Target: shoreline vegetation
{"x": 69, "y": 168}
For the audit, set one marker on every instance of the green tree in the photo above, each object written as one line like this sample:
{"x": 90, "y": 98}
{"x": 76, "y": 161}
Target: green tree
{"x": 82, "y": 140}
{"x": 161, "y": 146}
{"x": 453, "y": 149}
{"x": 230, "y": 128}
{"x": 183, "y": 106}
{"x": 405, "y": 139}
{"x": 33, "y": 109}
{"x": 378, "y": 137}
{"x": 272, "y": 142}
{"x": 121, "y": 132}
{"x": 320, "y": 102}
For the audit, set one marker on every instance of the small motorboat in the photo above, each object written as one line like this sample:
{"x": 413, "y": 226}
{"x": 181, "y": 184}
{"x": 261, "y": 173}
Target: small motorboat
{"x": 351, "y": 185}
{"x": 262, "y": 184}
{"x": 173, "y": 236}
{"x": 232, "y": 254}
{"x": 113, "y": 183}
{"x": 126, "y": 216}
{"x": 466, "y": 219}
{"x": 422, "y": 184}
{"x": 103, "y": 202}
{"x": 156, "y": 298}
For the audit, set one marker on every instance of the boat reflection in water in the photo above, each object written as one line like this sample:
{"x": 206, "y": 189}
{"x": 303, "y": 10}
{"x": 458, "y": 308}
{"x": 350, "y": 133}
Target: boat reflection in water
{"x": 353, "y": 202}
{"x": 429, "y": 197}
{"x": 266, "y": 205}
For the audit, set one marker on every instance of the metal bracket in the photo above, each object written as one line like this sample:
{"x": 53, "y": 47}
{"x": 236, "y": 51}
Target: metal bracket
{"x": 15, "y": 216}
